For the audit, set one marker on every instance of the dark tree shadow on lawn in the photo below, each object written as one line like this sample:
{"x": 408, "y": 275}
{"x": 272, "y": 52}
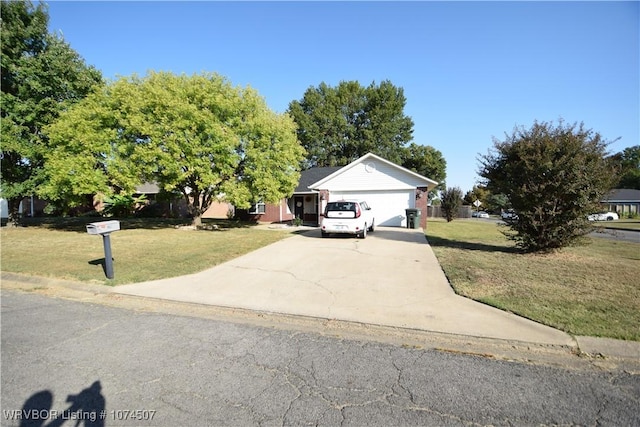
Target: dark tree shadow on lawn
{"x": 472, "y": 246}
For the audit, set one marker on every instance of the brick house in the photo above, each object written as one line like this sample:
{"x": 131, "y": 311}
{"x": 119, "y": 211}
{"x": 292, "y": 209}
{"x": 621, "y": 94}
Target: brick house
{"x": 388, "y": 188}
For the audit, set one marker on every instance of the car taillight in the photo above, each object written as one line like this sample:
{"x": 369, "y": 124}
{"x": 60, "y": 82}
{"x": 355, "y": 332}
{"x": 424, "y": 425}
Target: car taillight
{"x": 357, "y": 210}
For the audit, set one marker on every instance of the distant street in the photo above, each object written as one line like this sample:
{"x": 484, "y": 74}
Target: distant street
{"x": 87, "y": 364}
{"x": 605, "y": 233}
{"x": 621, "y": 235}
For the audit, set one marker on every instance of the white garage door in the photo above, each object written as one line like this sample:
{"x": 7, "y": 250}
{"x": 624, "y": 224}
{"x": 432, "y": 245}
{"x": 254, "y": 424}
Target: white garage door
{"x": 388, "y": 205}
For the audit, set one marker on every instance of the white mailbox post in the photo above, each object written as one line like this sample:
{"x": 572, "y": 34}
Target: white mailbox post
{"x": 104, "y": 229}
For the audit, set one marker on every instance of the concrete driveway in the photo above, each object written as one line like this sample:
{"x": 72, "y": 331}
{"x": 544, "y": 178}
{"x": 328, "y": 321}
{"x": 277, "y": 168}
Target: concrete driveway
{"x": 391, "y": 278}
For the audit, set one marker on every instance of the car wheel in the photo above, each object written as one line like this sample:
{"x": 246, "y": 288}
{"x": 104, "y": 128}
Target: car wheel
{"x": 609, "y": 218}
{"x": 372, "y": 226}
{"x": 364, "y": 232}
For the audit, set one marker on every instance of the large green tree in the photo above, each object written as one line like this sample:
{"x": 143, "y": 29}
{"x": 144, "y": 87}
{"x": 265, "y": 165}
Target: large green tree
{"x": 336, "y": 125}
{"x": 41, "y": 76}
{"x": 628, "y": 165}
{"x": 427, "y": 161}
{"x": 554, "y": 176}
{"x": 198, "y": 135}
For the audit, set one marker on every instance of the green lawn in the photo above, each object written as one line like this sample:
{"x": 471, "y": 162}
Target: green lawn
{"x": 584, "y": 290}
{"x": 142, "y": 250}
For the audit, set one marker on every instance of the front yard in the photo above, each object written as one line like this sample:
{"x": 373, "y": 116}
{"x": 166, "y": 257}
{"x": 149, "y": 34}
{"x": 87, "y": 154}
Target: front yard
{"x": 586, "y": 290}
{"x": 143, "y": 250}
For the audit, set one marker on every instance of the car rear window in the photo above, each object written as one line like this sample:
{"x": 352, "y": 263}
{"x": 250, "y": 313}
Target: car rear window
{"x": 341, "y": 210}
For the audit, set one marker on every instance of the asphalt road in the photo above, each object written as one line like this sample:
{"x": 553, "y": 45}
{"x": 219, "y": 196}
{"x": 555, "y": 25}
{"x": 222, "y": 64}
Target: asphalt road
{"x": 112, "y": 366}
{"x": 605, "y": 233}
{"x": 620, "y": 235}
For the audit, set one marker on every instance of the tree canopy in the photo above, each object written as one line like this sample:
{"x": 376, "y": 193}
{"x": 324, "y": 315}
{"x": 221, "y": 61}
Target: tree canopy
{"x": 337, "y": 125}
{"x": 554, "y": 175}
{"x": 41, "y": 77}
{"x": 628, "y": 163}
{"x": 490, "y": 202}
{"x": 427, "y": 161}
{"x": 196, "y": 134}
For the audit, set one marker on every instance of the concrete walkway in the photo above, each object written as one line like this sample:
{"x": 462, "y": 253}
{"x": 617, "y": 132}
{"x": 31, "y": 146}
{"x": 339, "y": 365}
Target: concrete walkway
{"x": 391, "y": 278}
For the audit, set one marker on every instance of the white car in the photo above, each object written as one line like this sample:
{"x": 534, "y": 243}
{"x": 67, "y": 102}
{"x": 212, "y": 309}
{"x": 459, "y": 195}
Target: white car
{"x": 509, "y": 215}
{"x": 347, "y": 217}
{"x": 603, "y": 216}
{"x": 480, "y": 214}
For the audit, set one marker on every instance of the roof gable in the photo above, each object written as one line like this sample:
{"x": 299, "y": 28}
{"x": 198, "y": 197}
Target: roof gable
{"x": 369, "y": 170}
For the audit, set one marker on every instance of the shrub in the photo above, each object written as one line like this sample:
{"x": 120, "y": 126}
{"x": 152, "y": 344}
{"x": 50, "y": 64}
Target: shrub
{"x": 553, "y": 176}
{"x": 451, "y": 200}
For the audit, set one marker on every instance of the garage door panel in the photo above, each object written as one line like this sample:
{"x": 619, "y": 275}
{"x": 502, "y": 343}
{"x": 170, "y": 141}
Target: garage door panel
{"x": 389, "y": 206}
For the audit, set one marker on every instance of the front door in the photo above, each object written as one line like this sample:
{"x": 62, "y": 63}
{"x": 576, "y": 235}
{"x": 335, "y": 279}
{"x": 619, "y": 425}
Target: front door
{"x": 298, "y": 207}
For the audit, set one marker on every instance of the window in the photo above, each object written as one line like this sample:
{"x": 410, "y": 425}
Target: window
{"x": 257, "y": 209}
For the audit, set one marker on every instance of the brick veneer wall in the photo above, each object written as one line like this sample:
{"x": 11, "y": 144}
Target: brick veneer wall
{"x": 422, "y": 200}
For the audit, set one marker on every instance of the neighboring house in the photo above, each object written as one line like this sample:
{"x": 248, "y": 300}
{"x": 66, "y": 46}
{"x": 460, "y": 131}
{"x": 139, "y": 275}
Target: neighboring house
{"x": 623, "y": 201}
{"x": 388, "y": 188}
{"x": 29, "y": 206}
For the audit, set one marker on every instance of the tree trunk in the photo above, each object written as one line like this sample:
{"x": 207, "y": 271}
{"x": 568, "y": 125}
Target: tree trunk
{"x": 13, "y": 206}
{"x": 197, "y": 219}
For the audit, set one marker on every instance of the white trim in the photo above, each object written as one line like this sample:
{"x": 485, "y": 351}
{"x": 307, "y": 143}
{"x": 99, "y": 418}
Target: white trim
{"x": 255, "y": 209}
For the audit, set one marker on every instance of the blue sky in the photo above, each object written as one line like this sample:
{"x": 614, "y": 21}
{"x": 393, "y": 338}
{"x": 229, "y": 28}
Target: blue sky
{"x": 470, "y": 71}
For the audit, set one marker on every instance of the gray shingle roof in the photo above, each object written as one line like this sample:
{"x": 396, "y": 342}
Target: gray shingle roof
{"x": 309, "y": 176}
{"x": 623, "y": 194}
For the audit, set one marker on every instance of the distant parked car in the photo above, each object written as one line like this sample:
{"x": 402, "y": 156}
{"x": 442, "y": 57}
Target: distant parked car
{"x": 480, "y": 214}
{"x": 509, "y": 215}
{"x": 603, "y": 216}
{"x": 347, "y": 217}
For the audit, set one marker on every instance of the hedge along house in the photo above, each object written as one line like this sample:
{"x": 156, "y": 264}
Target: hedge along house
{"x": 388, "y": 188}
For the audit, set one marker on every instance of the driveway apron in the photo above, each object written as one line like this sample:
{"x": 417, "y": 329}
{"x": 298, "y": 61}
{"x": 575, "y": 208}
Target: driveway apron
{"x": 391, "y": 278}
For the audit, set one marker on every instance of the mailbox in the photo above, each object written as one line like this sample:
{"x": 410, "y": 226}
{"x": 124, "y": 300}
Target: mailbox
{"x": 103, "y": 227}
